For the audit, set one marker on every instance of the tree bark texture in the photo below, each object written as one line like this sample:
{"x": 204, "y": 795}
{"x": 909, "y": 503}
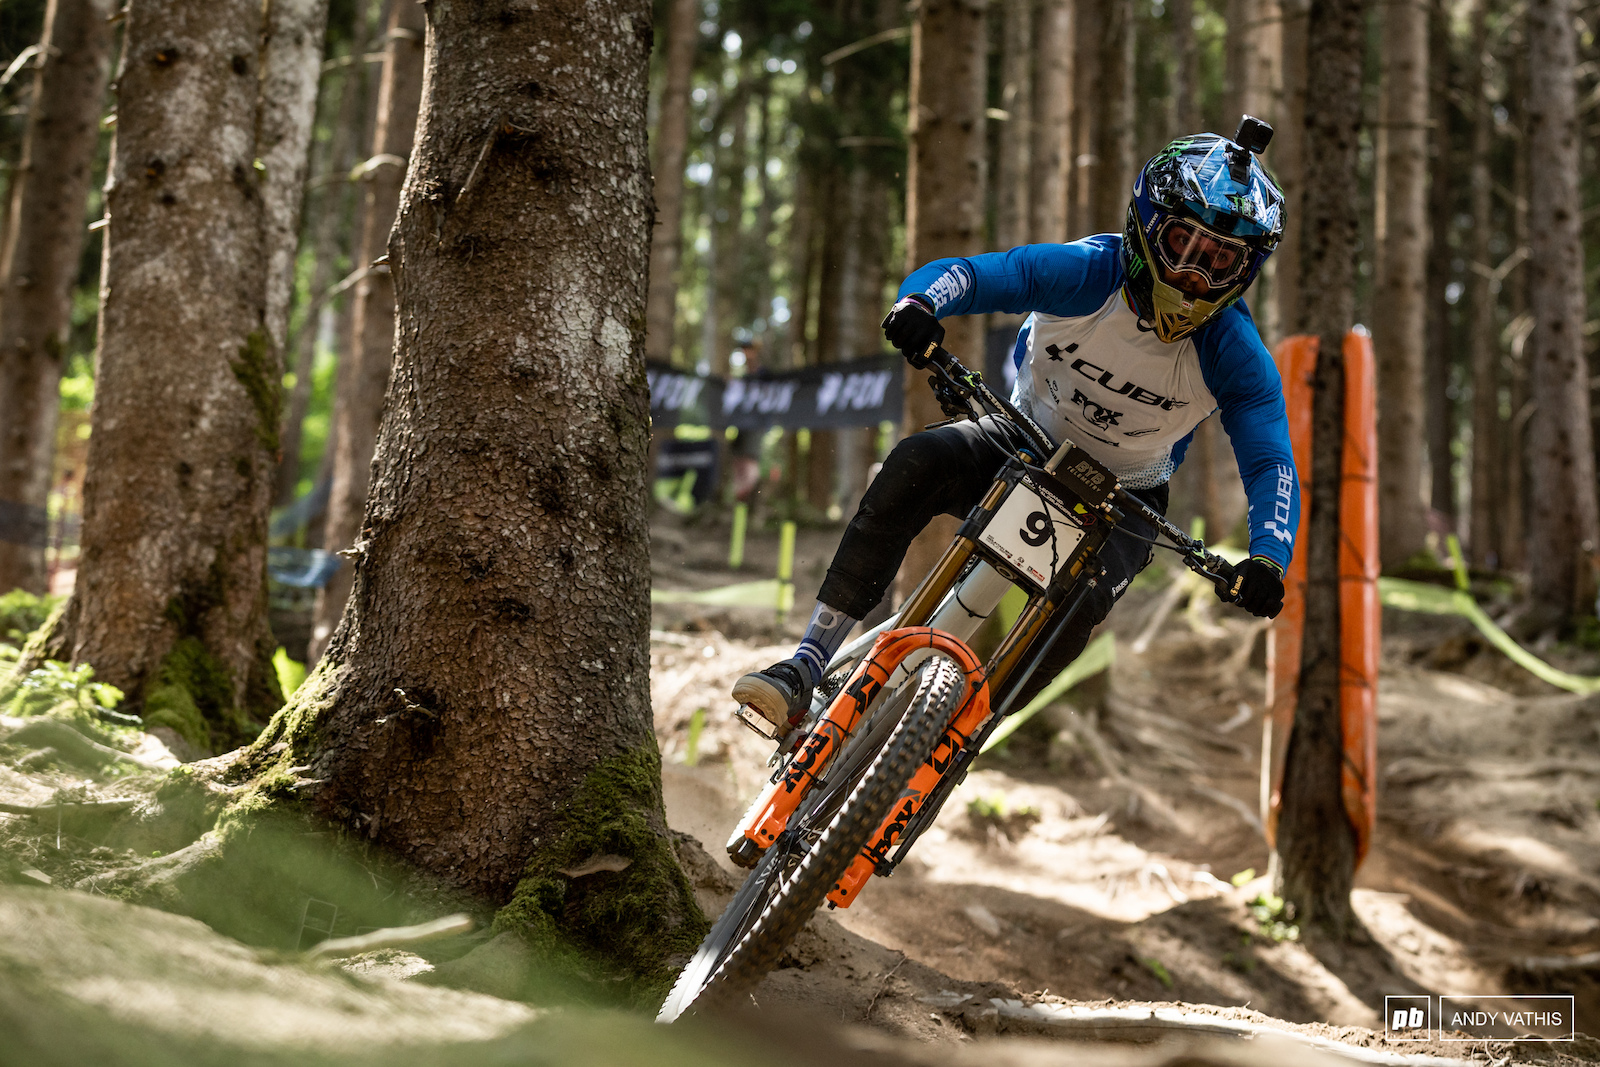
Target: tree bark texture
{"x": 1088, "y": 44}
{"x": 1441, "y": 344}
{"x": 44, "y": 238}
{"x": 171, "y": 600}
{"x": 1051, "y": 160}
{"x": 1239, "y": 61}
{"x": 1315, "y": 842}
{"x": 483, "y": 710}
{"x": 1287, "y": 160}
{"x": 358, "y": 404}
{"x": 671, "y": 149}
{"x": 1013, "y": 167}
{"x": 292, "y": 69}
{"x": 1562, "y": 522}
{"x": 1114, "y": 171}
{"x": 944, "y": 200}
{"x": 1185, "y": 117}
{"x": 1482, "y": 343}
{"x": 1399, "y": 312}
{"x": 726, "y": 276}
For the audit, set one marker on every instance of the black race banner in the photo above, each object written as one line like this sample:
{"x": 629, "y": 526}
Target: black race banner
{"x": 863, "y": 392}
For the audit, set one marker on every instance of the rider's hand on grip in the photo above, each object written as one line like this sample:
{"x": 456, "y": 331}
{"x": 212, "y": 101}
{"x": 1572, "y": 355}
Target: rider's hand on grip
{"x": 912, "y": 327}
{"x": 1260, "y": 588}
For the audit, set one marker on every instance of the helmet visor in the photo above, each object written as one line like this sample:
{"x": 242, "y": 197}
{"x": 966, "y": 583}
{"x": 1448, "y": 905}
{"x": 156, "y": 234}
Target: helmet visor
{"x": 1198, "y": 260}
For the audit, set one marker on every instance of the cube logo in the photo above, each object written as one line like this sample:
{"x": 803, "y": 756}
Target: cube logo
{"x": 1408, "y": 1018}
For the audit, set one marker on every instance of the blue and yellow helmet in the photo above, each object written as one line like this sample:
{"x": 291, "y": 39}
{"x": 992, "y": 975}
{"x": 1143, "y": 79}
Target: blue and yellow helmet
{"x": 1205, "y": 216}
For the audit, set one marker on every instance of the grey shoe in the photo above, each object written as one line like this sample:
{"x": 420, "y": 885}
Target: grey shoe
{"x": 780, "y": 693}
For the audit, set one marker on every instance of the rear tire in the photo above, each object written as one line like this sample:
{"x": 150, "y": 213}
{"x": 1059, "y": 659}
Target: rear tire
{"x": 792, "y": 880}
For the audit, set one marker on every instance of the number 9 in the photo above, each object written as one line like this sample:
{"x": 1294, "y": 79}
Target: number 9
{"x": 1037, "y": 529}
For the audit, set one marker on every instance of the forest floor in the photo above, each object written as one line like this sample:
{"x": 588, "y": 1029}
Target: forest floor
{"x": 1095, "y": 893}
{"x": 1110, "y": 852}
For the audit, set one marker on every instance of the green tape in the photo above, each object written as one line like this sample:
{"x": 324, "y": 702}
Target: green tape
{"x": 741, "y": 522}
{"x": 1098, "y": 656}
{"x": 762, "y": 594}
{"x": 1432, "y": 600}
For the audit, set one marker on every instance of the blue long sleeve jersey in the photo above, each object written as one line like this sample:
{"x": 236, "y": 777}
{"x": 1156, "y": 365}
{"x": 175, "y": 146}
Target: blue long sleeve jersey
{"x": 1088, "y": 372}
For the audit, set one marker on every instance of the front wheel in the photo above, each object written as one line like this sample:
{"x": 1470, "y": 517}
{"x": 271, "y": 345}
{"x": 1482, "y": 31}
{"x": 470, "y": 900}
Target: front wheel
{"x": 799, "y": 871}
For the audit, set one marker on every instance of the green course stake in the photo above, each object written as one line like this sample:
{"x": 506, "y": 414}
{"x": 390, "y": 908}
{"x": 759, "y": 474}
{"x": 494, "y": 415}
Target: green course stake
{"x": 697, "y": 722}
{"x": 1458, "y": 563}
{"x": 786, "y": 570}
{"x": 686, "y": 492}
{"x": 741, "y": 521}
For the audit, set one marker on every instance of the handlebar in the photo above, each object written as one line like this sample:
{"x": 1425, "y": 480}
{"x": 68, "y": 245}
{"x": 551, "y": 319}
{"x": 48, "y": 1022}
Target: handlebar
{"x": 956, "y": 388}
{"x": 1208, "y": 565}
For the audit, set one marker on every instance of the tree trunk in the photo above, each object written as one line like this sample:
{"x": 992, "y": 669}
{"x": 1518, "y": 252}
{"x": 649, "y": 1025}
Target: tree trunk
{"x": 671, "y": 149}
{"x": 1288, "y": 162}
{"x": 329, "y": 207}
{"x": 1398, "y": 334}
{"x": 1441, "y": 344}
{"x": 1052, "y": 131}
{"x": 483, "y": 710}
{"x": 1013, "y": 168}
{"x": 1562, "y": 521}
{"x": 727, "y": 223}
{"x": 1185, "y": 104}
{"x": 802, "y": 239}
{"x": 1114, "y": 103}
{"x": 359, "y": 403}
{"x": 292, "y": 69}
{"x": 171, "y": 599}
{"x": 1482, "y": 344}
{"x": 1514, "y": 519}
{"x": 1088, "y": 44}
{"x": 44, "y": 238}
{"x": 1239, "y": 62}
{"x": 1315, "y": 841}
{"x": 944, "y": 199}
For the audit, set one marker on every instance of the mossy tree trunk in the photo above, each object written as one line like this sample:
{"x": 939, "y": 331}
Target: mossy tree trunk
{"x": 171, "y": 598}
{"x": 482, "y": 710}
{"x": 43, "y": 240}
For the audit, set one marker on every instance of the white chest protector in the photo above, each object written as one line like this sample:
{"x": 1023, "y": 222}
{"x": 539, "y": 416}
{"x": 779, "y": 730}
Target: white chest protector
{"x": 1114, "y": 390}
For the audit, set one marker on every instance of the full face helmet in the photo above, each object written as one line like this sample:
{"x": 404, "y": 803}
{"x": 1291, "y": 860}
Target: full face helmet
{"x": 1205, "y": 216}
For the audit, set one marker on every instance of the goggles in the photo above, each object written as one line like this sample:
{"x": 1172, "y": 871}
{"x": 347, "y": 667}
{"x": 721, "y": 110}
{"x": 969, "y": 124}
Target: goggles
{"x": 1197, "y": 260}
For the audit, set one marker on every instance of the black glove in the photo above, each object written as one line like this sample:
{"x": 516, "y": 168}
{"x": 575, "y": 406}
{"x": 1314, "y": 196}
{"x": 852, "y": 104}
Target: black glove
{"x": 912, "y": 327}
{"x": 1260, "y": 587}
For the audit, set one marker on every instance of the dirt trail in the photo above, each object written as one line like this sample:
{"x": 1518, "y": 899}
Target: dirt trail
{"x": 1095, "y": 858}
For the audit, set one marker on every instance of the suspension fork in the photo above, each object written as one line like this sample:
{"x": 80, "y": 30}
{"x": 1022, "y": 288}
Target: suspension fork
{"x": 957, "y": 771}
{"x": 771, "y": 813}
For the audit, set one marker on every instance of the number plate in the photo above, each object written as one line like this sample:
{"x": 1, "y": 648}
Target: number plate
{"x": 1034, "y": 532}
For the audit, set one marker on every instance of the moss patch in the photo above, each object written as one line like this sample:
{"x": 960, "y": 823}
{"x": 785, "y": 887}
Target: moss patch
{"x": 642, "y": 921}
{"x": 192, "y": 692}
{"x": 256, "y": 368}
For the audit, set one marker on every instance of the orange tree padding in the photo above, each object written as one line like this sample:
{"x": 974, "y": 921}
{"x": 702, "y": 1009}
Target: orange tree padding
{"x": 1358, "y": 586}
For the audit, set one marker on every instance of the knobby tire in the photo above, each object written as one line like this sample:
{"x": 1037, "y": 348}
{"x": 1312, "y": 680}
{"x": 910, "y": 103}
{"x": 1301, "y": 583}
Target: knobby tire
{"x": 939, "y": 692}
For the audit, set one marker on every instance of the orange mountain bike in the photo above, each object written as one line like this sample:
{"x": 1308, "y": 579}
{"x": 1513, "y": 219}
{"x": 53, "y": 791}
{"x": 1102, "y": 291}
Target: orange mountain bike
{"x": 904, "y": 709}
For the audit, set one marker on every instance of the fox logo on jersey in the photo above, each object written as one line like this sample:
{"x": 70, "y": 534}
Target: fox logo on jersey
{"x": 1102, "y": 417}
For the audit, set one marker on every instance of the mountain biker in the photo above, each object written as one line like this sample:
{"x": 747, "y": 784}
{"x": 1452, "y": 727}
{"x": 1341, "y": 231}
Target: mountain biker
{"x": 1131, "y": 341}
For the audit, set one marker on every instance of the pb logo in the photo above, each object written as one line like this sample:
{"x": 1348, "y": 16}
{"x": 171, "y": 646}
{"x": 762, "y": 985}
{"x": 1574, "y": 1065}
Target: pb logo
{"x": 1407, "y": 1018}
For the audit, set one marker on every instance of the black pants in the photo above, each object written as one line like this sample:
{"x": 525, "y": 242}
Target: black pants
{"x": 946, "y": 472}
